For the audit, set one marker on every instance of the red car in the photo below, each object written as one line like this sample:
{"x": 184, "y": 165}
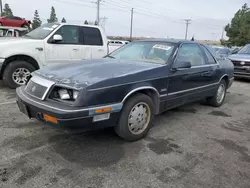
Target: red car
{"x": 14, "y": 21}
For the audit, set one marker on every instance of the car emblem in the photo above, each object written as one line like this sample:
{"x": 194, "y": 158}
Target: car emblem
{"x": 242, "y": 63}
{"x": 33, "y": 89}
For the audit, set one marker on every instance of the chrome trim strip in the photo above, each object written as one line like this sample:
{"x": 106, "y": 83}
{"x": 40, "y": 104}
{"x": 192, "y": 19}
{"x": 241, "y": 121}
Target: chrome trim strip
{"x": 138, "y": 89}
{"x": 127, "y": 83}
{"x": 64, "y": 110}
{"x": 183, "y": 91}
{"x": 43, "y": 82}
{"x": 164, "y": 95}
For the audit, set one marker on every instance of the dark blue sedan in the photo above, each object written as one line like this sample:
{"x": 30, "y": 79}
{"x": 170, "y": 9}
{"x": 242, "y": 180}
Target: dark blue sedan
{"x": 127, "y": 88}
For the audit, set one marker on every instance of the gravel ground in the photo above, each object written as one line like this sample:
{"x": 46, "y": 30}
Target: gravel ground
{"x": 194, "y": 146}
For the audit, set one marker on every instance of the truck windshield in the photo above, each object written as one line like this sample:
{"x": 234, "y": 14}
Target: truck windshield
{"x": 245, "y": 50}
{"x": 152, "y": 52}
{"x": 42, "y": 32}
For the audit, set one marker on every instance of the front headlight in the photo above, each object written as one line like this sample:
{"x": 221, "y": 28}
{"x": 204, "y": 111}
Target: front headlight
{"x": 64, "y": 94}
{"x": 75, "y": 94}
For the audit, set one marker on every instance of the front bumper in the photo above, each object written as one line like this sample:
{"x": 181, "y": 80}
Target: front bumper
{"x": 1, "y": 63}
{"x": 70, "y": 118}
{"x": 241, "y": 72}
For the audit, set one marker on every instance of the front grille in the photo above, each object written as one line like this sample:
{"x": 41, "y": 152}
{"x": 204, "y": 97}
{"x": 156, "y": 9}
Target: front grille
{"x": 238, "y": 63}
{"x": 36, "y": 89}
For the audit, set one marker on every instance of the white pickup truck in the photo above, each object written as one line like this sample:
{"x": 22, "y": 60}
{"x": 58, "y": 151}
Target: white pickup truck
{"x": 50, "y": 44}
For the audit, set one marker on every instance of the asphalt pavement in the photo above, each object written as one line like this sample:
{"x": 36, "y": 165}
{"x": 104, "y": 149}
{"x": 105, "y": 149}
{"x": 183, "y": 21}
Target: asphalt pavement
{"x": 194, "y": 146}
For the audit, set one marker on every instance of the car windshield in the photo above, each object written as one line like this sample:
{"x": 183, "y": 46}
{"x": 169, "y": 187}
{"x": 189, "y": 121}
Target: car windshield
{"x": 245, "y": 50}
{"x": 223, "y": 51}
{"x": 152, "y": 52}
{"x": 42, "y": 32}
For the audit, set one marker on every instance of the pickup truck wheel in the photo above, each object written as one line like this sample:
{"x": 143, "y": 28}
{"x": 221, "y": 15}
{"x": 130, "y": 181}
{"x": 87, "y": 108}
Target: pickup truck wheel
{"x": 136, "y": 118}
{"x": 17, "y": 73}
{"x": 218, "y": 99}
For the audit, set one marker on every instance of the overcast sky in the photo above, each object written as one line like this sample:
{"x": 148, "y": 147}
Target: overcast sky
{"x": 154, "y": 18}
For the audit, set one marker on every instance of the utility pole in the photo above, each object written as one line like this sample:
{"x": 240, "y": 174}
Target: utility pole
{"x": 222, "y": 34}
{"x": 187, "y": 23}
{"x": 98, "y": 11}
{"x": 1, "y": 7}
{"x": 103, "y": 21}
{"x": 131, "y": 23}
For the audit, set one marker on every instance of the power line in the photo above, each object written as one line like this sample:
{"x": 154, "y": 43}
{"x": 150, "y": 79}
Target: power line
{"x": 187, "y": 23}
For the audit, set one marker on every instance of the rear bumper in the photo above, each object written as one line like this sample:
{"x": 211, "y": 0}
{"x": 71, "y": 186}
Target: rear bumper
{"x": 71, "y": 119}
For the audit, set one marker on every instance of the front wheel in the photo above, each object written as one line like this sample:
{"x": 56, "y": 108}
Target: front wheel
{"x": 136, "y": 118}
{"x": 218, "y": 99}
{"x": 17, "y": 73}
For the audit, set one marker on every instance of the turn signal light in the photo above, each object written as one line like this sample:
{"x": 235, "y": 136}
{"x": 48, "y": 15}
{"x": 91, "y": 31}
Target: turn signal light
{"x": 50, "y": 118}
{"x": 102, "y": 110}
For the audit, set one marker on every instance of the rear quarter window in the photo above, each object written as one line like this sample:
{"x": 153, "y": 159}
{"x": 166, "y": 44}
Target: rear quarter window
{"x": 92, "y": 36}
{"x": 209, "y": 55}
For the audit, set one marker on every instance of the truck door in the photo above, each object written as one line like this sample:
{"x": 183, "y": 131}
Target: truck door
{"x": 93, "y": 46}
{"x": 66, "y": 50}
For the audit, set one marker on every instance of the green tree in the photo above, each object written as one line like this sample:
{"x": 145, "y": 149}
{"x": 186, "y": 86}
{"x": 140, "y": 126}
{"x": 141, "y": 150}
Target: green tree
{"x": 238, "y": 31}
{"x": 86, "y": 22}
{"x": 63, "y": 20}
{"x": 96, "y": 23}
{"x": 53, "y": 17}
{"x": 7, "y": 10}
{"x": 36, "y": 20}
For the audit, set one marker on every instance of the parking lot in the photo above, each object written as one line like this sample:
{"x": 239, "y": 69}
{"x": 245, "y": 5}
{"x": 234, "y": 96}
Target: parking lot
{"x": 193, "y": 146}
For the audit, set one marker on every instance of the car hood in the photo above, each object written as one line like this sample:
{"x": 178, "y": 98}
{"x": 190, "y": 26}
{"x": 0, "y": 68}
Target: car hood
{"x": 14, "y": 40}
{"x": 87, "y": 72}
{"x": 239, "y": 57}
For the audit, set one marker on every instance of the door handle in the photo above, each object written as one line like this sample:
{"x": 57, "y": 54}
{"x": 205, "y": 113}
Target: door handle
{"x": 75, "y": 49}
{"x": 208, "y": 73}
{"x": 100, "y": 50}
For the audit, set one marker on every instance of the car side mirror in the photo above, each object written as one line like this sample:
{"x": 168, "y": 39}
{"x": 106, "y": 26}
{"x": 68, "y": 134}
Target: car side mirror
{"x": 181, "y": 65}
{"x": 57, "y": 38}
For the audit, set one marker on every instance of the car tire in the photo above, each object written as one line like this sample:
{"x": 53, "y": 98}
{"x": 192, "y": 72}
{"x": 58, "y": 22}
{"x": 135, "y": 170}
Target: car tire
{"x": 218, "y": 99}
{"x": 142, "y": 108}
{"x": 17, "y": 71}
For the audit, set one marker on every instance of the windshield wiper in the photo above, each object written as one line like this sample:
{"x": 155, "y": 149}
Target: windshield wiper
{"x": 110, "y": 56}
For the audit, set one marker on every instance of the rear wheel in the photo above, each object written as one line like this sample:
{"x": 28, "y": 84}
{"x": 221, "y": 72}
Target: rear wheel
{"x": 136, "y": 118}
{"x": 17, "y": 73}
{"x": 218, "y": 99}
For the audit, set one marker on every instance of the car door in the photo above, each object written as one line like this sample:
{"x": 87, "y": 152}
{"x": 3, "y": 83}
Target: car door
{"x": 93, "y": 45}
{"x": 189, "y": 84}
{"x": 66, "y": 50}
{"x": 13, "y": 21}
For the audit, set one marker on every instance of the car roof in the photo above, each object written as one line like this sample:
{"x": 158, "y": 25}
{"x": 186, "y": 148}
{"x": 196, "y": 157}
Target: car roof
{"x": 176, "y": 41}
{"x": 86, "y": 25}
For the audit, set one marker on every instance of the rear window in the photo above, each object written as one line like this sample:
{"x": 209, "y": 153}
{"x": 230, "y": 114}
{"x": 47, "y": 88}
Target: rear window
{"x": 92, "y": 36}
